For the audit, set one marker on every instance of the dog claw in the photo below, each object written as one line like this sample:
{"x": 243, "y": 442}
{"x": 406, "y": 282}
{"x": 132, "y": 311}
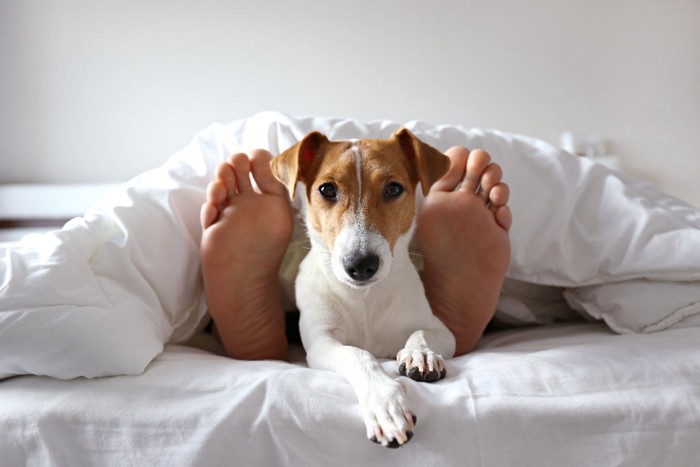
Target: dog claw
{"x": 421, "y": 366}
{"x": 416, "y": 375}
{"x": 394, "y": 443}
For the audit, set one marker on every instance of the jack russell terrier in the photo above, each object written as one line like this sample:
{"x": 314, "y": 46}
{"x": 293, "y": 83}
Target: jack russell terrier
{"x": 359, "y": 295}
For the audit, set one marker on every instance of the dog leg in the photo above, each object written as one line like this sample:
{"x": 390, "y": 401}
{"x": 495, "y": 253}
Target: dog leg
{"x": 417, "y": 361}
{"x": 383, "y": 403}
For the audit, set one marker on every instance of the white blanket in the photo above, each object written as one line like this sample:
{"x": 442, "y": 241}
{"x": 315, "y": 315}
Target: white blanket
{"x": 560, "y": 395}
{"x": 106, "y": 293}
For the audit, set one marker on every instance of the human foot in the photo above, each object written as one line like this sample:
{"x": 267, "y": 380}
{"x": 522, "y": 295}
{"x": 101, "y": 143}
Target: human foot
{"x": 462, "y": 233}
{"x": 246, "y": 233}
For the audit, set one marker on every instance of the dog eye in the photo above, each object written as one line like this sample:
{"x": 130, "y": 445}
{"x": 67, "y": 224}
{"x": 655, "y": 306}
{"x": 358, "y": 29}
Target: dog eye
{"x": 328, "y": 191}
{"x": 393, "y": 190}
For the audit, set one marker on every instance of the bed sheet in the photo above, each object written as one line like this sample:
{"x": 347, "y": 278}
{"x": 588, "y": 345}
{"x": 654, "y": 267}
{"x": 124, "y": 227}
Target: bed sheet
{"x": 566, "y": 394}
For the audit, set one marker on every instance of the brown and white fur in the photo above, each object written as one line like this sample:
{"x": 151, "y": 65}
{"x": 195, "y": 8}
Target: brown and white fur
{"x": 359, "y": 295}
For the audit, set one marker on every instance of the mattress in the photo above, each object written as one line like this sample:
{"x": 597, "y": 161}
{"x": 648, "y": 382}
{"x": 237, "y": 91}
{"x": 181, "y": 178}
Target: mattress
{"x": 566, "y": 394}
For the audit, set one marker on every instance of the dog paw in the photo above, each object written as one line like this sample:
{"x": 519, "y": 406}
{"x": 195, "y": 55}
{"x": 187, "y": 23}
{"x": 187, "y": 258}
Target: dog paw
{"x": 387, "y": 418}
{"x": 421, "y": 365}
{"x": 394, "y": 443}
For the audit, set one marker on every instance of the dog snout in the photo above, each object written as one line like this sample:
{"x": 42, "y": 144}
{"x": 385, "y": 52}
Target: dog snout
{"x": 361, "y": 268}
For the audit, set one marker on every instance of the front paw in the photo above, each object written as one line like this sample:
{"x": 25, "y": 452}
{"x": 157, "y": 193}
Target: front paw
{"x": 421, "y": 365}
{"x": 387, "y": 418}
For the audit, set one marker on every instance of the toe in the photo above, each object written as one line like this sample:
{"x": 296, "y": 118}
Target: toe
{"x": 415, "y": 374}
{"x": 241, "y": 167}
{"x": 504, "y": 217}
{"x": 491, "y": 176}
{"x": 262, "y": 173}
{"x": 499, "y": 195}
{"x": 217, "y": 196}
{"x": 455, "y": 174}
{"x": 477, "y": 163}
{"x": 393, "y": 444}
{"x": 217, "y": 192}
{"x": 225, "y": 183}
{"x": 208, "y": 215}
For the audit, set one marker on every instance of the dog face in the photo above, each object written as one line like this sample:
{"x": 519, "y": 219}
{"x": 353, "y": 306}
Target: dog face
{"x": 360, "y": 196}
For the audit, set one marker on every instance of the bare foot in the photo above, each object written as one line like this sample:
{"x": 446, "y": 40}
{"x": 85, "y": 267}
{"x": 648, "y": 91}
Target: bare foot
{"x": 246, "y": 234}
{"x": 463, "y": 234}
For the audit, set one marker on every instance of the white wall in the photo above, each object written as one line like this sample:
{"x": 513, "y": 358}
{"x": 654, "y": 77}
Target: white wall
{"x": 100, "y": 91}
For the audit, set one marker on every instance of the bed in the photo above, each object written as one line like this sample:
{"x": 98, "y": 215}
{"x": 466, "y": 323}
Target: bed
{"x": 563, "y": 394}
{"x": 592, "y": 360}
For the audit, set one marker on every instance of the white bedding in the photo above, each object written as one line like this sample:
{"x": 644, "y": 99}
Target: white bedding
{"x": 561, "y": 395}
{"x": 106, "y": 293}
{"x": 111, "y": 293}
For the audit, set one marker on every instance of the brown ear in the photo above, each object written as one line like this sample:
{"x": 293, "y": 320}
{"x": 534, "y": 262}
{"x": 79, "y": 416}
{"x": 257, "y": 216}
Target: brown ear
{"x": 430, "y": 164}
{"x": 299, "y": 161}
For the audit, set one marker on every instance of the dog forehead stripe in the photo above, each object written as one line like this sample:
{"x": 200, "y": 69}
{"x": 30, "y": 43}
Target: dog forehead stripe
{"x": 358, "y": 167}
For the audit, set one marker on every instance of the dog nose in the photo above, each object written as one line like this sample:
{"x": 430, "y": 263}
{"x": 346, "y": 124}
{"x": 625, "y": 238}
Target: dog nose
{"x": 361, "y": 268}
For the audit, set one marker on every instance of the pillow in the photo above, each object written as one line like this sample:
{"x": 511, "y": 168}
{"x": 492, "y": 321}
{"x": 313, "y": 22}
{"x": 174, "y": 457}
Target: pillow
{"x": 639, "y": 306}
{"x": 103, "y": 295}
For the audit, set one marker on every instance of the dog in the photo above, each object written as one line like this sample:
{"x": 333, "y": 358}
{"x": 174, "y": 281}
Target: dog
{"x": 359, "y": 295}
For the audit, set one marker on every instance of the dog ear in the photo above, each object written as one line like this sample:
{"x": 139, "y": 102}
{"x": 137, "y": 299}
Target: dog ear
{"x": 298, "y": 162}
{"x": 429, "y": 163}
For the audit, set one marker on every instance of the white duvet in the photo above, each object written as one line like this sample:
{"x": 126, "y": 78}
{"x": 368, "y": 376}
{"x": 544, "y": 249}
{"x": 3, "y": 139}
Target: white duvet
{"x": 106, "y": 293}
{"x": 561, "y": 395}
